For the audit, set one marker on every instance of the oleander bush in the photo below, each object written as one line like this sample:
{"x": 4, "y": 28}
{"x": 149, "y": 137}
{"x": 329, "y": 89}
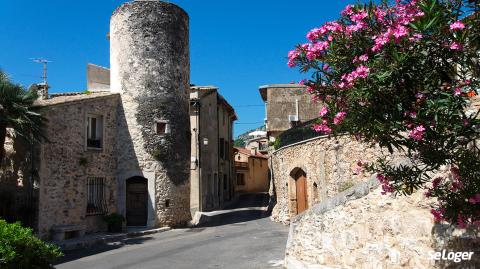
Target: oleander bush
{"x": 403, "y": 74}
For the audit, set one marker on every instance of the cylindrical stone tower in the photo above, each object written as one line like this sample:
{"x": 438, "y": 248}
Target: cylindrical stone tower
{"x": 150, "y": 68}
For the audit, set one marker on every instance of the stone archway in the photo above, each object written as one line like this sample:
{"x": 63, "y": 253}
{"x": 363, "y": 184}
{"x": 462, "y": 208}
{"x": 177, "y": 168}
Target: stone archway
{"x": 300, "y": 194}
{"x": 137, "y": 201}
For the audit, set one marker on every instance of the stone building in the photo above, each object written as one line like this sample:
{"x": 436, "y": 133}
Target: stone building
{"x": 123, "y": 145}
{"x": 259, "y": 143}
{"x": 286, "y": 106}
{"x": 251, "y": 169}
{"x": 212, "y": 166}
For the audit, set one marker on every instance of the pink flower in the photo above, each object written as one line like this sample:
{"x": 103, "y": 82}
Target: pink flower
{"x": 475, "y": 199}
{"x": 292, "y": 57}
{"x": 400, "y": 31}
{"x": 417, "y": 133}
{"x": 339, "y": 117}
{"x": 461, "y": 221}
{"x": 457, "y": 92}
{"x": 316, "y": 33}
{"x": 455, "y": 173}
{"x": 458, "y": 25}
{"x": 455, "y": 46}
{"x": 322, "y": 128}
{"x": 380, "y": 14}
{"x": 323, "y": 111}
{"x": 356, "y": 27}
{"x": 436, "y": 182}
{"x": 362, "y": 71}
{"x": 363, "y": 58}
{"x": 347, "y": 11}
{"x": 438, "y": 214}
{"x": 359, "y": 16}
{"x": 310, "y": 89}
{"x": 386, "y": 186}
{"x": 325, "y": 67}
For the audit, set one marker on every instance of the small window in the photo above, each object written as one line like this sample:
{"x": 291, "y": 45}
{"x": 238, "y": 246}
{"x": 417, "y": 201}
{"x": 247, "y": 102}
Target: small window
{"x": 162, "y": 127}
{"x": 94, "y": 131}
{"x": 222, "y": 148}
{"x": 96, "y": 196}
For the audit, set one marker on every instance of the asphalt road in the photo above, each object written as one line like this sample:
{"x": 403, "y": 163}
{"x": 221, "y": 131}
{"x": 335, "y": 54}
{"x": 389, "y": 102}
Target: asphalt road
{"x": 240, "y": 239}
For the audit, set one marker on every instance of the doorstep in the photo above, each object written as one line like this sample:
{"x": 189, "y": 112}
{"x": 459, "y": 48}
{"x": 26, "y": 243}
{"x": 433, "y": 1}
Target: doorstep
{"x": 104, "y": 238}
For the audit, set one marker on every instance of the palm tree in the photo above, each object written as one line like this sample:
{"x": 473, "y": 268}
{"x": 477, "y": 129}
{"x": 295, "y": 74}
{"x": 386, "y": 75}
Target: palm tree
{"x": 18, "y": 112}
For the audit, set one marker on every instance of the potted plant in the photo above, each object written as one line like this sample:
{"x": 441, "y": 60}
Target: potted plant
{"x": 114, "y": 222}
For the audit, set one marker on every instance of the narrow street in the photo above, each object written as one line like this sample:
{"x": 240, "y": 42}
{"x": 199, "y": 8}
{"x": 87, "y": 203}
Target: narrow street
{"x": 239, "y": 239}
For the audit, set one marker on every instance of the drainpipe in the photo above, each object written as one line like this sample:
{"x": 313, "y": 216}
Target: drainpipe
{"x": 296, "y": 109}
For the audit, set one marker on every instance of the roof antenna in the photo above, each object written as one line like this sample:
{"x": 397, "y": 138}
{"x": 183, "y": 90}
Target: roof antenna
{"x": 42, "y": 88}
{"x": 44, "y": 62}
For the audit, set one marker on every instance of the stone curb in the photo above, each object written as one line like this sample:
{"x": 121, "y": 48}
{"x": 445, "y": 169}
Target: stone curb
{"x": 86, "y": 242}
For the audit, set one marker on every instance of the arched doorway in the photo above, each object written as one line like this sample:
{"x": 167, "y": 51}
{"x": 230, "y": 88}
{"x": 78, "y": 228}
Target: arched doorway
{"x": 301, "y": 190}
{"x": 137, "y": 201}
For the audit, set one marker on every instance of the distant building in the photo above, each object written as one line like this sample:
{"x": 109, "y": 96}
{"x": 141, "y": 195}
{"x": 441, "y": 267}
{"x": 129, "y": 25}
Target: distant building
{"x": 251, "y": 169}
{"x": 286, "y": 106}
{"x": 212, "y": 166}
{"x": 258, "y": 143}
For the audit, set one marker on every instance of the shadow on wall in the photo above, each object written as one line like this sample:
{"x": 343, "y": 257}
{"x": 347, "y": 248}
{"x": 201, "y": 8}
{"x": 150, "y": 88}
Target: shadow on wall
{"x": 468, "y": 241}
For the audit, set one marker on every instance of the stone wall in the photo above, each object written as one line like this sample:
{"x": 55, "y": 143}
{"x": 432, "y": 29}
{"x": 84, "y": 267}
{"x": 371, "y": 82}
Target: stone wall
{"x": 361, "y": 228}
{"x": 330, "y": 164}
{"x": 66, "y": 163}
{"x": 150, "y": 68}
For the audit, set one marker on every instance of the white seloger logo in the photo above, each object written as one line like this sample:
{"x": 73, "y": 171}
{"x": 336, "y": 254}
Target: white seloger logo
{"x": 450, "y": 256}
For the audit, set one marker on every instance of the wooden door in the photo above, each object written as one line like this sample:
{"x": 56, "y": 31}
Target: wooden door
{"x": 137, "y": 201}
{"x": 301, "y": 191}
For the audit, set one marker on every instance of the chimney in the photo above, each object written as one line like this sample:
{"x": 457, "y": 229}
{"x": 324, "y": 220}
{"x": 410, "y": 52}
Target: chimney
{"x": 41, "y": 89}
{"x": 253, "y": 151}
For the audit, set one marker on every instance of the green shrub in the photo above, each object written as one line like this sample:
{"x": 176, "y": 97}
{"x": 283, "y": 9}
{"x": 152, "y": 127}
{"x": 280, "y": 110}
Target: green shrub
{"x": 20, "y": 249}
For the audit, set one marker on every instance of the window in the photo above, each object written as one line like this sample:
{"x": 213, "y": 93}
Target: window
{"x": 95, "y": 196}
{"x": 94, "y": 131}
{"x": 225, "y": 182}
{"x": 162, "y": 127}
{"x": 221, "y": 149}
{"x": 226, "y": 154}
{"x": 240, "y": 179}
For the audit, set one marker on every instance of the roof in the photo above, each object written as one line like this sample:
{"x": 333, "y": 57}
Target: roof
{"x": 249, "y": 153}
{"x": 263, "y": 89}
{"x": 221, "y": 99}
{"x": 72, "y": 97}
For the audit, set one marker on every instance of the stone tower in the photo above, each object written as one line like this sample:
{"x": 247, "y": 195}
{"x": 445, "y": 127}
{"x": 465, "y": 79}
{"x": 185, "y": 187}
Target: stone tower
{"x": 150, "y": 68}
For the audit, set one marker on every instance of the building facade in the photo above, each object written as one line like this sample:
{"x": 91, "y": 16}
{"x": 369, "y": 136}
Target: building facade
{"x": 251, "y": 168}
{"x": 286, "y": 105}
{"x": 123, "y": 145}
{"x": 212, "y": 166}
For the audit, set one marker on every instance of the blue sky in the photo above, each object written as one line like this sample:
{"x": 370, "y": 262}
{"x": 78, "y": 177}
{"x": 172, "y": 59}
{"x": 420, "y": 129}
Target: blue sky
{"x": 235, "y": 45}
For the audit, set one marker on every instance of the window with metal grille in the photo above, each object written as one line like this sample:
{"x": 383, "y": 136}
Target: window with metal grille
{"x": 96, "y": 196}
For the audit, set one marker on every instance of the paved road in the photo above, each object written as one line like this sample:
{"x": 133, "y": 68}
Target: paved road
{"x": 240, "y": 239}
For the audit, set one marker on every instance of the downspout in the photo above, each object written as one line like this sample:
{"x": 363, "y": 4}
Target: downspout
{"x": 296, "y": 109}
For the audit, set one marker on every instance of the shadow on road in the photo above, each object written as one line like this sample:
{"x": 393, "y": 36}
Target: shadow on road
{"x": 248, "y": 207}
{"x": 80, "y": 253}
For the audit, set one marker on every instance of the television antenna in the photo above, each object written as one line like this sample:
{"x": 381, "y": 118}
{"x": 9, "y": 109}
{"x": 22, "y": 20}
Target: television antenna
{"x": 44, "y": 62}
